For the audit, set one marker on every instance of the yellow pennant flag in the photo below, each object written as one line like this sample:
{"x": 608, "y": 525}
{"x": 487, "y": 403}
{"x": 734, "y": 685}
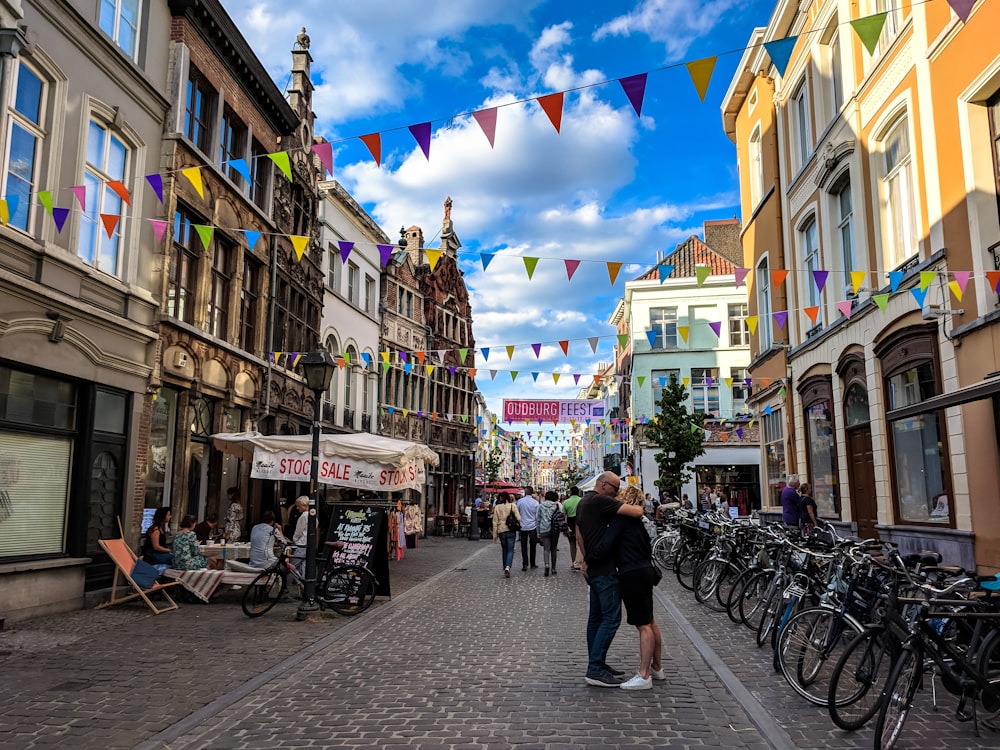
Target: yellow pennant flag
{"x": 683, "y": 331}
{"x": 433, "y": 256}
{"x": 686, "y": 381}
{"x": 299, "y": 245}
{"x": 510, "y": 351}
{"x": 385, "y": 356}
{"x": 926, "y": 277}
{"x": 4, "y": 212}
{"x": 955, "y": 289}
{"x": 752, "y": 324}
{"x": 729, "y": 383}
{"x": 701, "y": 74}
{"x": 613, "y": 269}
{"x": 193, "y": 175}
{"x": 555, "y": 378}
{"x": 858, "y": 280}
{"x": 702, "y": 272}
{"x": 429, "y": 369}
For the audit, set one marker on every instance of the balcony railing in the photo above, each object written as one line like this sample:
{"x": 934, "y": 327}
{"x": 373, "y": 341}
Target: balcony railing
{"x": 366, "y": 422}
{"x": 329, "y": 411}
{"x": 349, "y": 418}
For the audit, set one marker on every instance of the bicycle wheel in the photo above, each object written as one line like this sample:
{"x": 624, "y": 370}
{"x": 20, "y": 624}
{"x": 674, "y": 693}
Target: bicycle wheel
{"x": 349, "y": 590}
{"x": 664, "y": 549}
{"x": 684, "y": 568}
{"x": 989, "y": 667}
{"x": 754, "y": 597}
{"x": 706, "y": 582}
{"x": 736, "y": 592}
{"x": 808, "y": 648}
{"x": 263, "y": 593}
{"x": 897, "y": 698}
{"x": 727, "y": 582}
{"x": 858, "y": 678}
{"x": 772, "y": 609}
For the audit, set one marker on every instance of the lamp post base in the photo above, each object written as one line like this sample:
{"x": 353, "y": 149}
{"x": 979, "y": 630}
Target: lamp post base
{"x": 306, "y": 608}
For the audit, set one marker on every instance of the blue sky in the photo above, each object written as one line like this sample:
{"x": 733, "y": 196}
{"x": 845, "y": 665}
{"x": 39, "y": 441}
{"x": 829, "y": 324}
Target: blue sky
{"x": 610, "y": 187}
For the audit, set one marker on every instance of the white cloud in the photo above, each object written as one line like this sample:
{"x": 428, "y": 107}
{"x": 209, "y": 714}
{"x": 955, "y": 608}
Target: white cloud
{"x": 674, "y": 23}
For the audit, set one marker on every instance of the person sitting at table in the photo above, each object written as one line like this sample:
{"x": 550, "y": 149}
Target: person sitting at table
{"x": 206, "y": 529}
{"x": 157, "y": 549}
{"x": 187, "y": 556}
{"x": 262, "y": 538}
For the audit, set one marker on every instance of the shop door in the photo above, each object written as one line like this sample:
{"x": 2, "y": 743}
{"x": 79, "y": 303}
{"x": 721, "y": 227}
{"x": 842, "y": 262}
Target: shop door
{"x": 861, "y": 469}
{"x": 104, "y": 509}
{"x": 197, "y": 479}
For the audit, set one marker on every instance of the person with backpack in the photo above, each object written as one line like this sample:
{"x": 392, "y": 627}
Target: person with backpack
{"x": 506, "y": 524}
{"x": 551, "y": 524}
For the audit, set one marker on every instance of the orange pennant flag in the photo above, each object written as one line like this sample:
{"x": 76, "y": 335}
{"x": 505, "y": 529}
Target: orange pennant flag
{"x": 374, "y": 143}
{"x": 613, "y": 269}
{"x": 553, "y": 106}
{"x": 812, "y": 312}
{"x": 420, "y": 356}
{"x": 564, "y": 345}
{"x": 110, "y": 221}
{"x": 778, "y": 276}
{"x": 119, "y": 187}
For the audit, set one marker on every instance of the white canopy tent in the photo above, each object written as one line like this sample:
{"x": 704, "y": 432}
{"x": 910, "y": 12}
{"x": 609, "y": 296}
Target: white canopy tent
{"x": 360, "y": 460}
{"x": 590, "y": 483}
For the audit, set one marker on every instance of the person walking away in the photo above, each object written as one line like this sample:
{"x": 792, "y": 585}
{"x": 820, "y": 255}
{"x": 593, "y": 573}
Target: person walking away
{"x": 808, "y": 520}
{"x": 595, "y": 511}
{"x": 627, "y": 543}
{"x": 505, "y": 507}
{"x": 569, "y": 508}
{"x": 234, "y": 516}
{"x": 548, "y": 535}
{"x": 527, "y": 506}
{"x": 790, "y": 503}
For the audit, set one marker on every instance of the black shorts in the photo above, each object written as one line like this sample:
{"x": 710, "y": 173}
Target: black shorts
{"x": 637, "y": 595}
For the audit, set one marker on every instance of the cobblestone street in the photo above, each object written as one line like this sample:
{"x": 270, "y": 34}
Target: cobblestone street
{"x": 459, "y": 657}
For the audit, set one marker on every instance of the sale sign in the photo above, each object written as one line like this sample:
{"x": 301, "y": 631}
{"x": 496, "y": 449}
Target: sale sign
{"x": 365, "y": 475}
{"x": 552, "y": 410}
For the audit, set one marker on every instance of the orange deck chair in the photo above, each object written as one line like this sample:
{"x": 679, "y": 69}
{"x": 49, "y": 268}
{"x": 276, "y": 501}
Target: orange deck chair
{"x": 124, "y": 559}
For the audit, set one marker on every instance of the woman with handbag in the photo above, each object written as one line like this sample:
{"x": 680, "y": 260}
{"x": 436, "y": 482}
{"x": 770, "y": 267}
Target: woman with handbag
{"x": 506, "y": 524}
{"x": 627, "y": 541}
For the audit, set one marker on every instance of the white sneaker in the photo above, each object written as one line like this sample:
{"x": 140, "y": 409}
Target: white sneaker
{"x": 657, "y": 674}
{"x": 637, "y": 683}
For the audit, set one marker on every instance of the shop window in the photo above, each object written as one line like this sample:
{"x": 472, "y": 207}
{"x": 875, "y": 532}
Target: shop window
{"x": 36, "y": 400}
{"x": 159, "y": 463}
{"x": 774, "y": 449}
{"x": 202, "y": 417}
{"x": 822, "y": 452}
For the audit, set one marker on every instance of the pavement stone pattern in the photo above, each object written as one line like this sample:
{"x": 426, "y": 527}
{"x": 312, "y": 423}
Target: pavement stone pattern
{"x": 810, "y": 726}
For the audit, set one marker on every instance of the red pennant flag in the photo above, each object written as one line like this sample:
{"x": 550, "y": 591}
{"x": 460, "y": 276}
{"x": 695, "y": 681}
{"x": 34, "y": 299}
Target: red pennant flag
{"x": 571, "y": 266}
{"x": 553, "y": 106}
{"x": 374, "y": 143}
{"x": 564, "y": 345}
{"x": 994, "y": 278}
{"x": 487, "y": 119}
{"x": 110, "y": 221}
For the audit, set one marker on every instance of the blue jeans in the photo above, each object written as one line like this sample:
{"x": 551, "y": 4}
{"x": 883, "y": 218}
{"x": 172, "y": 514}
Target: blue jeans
{"x": 604, "y": 620}
{"x": 507, "y": 539}
{"x": 163, "y": 558}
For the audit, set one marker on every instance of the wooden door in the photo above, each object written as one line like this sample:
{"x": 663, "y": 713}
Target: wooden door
{"x": 861, "y": 470}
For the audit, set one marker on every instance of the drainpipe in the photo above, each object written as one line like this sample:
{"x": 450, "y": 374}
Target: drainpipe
{"x": 270, "y": 323}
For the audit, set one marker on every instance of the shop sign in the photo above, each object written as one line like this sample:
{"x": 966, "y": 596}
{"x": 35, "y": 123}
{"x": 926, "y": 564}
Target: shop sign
{"x": 552, "y": 410}
{"x": 365, "y": 475}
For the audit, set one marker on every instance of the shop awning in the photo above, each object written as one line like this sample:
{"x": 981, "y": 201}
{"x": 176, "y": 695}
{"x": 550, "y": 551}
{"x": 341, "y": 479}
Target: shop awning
{"x": 360, "y": 460}
{"x": 986, "y": 388}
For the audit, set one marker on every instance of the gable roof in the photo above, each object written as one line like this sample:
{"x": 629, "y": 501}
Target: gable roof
{"x": 688, "y": 254}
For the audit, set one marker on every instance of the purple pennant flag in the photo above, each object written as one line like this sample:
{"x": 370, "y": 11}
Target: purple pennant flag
{"x": 345, "y": 249}
{"x": 708, "y": 382}
{"x": 820, "y": 278}
{"x": 635, "y": 90}
{"x": 384, "y": 253}
{"x": 451, "y": 369}
{"x": 717, "y": 327}
{"x": 156, "y": 182}
{"x": 739, "y": 432}
{"x": 781, "y": 318}
{"x": 59, "y": 215}
{"x": 962, "y": 8}
{"x": 748, "y": 382}
{"x": 402, "y": 356}
{"x": 537, "y": 349}
{"x": 422, "y": 133}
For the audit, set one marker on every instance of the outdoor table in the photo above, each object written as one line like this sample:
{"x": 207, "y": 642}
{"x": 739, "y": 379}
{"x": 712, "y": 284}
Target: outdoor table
{"x": 236, "y": 551}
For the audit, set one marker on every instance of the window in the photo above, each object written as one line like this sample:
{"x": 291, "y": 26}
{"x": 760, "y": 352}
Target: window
{"x": 845, "y": 229}
{"x": 756, "y": 168}
{"x": 705, "y": 390}
{"x": 660, "y": 380}
{"x": 739, "y": 334}
{"x": 26, "y": 138}
{"x": 836, "y": 74}
{"x": 200, "y": 111}
{"x": 369, "y": 295}
{"x": 822, "y": 454}
{"x": 249, "y": 304}
{"x": 405, "y": 303}
{"x": 232, "y": 145}
{"x": 301, "y": 212}
{"x": 801, "y": 135}
{"x": 333, "y": 273}
{"x": 296, "y": 312}
{"x": 352, "y": 283}
{"x": 107, "y": 160}
{"x": 764, "y": 331}
{"x": 892, "y": 9}
{"x": 809, "y": 243}
{"x": 260, "y": 172}
{"x": 349, "y": 383}
{"x": 741, "y": 391}
{"x": 365, "y": 394}
{"x": 897, "y": 198}
{"x": 120, "y": 21}
{"x": 218, "y": 299}
{"x": 183, "y": 273}
{"x": 774, "y": 449}
{"x": 663, "y": 320}
{"x": 993, "y": 109}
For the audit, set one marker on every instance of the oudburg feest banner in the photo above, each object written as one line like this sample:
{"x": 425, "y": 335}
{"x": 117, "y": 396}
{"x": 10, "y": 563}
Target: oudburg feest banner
{"x": 552, "y": 410}
{"x": 364, "y": 475}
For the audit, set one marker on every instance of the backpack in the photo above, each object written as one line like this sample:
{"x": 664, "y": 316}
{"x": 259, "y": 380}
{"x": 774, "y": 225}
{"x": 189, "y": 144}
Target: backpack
{"x": 558, "y": 525}
{"x": 512, "y": 523}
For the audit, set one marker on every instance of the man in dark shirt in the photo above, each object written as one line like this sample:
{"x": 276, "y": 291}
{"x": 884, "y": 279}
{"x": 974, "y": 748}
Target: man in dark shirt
{"x": 593, "y": 513}
{"x": 206, "y": 529}
{"x": 790, "y": 503}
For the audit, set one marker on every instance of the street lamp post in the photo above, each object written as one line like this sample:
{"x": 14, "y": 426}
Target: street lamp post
{"x": 317, "y": 368}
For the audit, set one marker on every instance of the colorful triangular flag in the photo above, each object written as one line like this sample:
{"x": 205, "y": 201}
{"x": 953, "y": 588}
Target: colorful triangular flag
{"x": 635, "y": 89}
{"x": 553, "y": 106}
{"x": 422, "y": 134}
{"x": 374, "y": 143}
{"x": 780, "y": 51}
{"x": 869, "y": 29}
{"x": 701, "y": 74}
{"x": 487, "y": 119}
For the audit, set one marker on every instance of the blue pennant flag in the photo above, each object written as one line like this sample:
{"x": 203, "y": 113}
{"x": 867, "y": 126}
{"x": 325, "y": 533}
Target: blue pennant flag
{"x": 780, "y": 51}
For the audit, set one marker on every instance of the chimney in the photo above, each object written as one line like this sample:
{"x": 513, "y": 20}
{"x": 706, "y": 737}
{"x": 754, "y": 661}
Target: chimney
{"x": 723, "y": 236}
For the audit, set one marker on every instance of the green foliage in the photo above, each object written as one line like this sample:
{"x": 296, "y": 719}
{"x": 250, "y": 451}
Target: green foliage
{"x": 671, "y": 430}
{"x": 572, "y": 477}
{"x": 492, "y": 462}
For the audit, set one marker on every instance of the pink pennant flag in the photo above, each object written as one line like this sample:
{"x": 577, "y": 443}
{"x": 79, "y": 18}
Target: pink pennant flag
{"x": 487, "y": 119}
{"x": 159, "y": 227}
{"x": 325, "y": 153}
{"x": 422, "y": 134}
{"x": 537, "y": 348}
{"x": 845, "y": 307}
{"x": 80, "y": 191}
{"x": 635, "y": 90}
{"x": 571, "y": 266}
{"x": 962, "y": 279}
{"x": 741, "y": 273}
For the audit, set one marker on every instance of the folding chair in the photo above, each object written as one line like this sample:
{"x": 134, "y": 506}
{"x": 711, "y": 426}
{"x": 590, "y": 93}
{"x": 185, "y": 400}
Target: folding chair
{"x": 124, "y": 559}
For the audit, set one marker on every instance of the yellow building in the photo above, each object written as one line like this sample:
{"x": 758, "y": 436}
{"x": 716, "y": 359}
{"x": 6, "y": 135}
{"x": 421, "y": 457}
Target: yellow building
{"x": 872, "y": 178}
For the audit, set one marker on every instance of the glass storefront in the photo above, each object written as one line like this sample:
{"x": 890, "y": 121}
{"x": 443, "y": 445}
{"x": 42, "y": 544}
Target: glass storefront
{"x": 822, "y": 458}
{"x": 159, "y": 462}
{"x": 737, "y": 485}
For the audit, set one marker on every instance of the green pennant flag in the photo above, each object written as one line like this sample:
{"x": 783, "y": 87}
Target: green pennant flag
{"x": 869, "y": 29}
{"x": 205, "y": 233}
{"x": 694, "y": 428}
{"x": 463, "y": 353}
{"x": 280, "y": 158}
{"x": 529, "y": 266}
{"x": 513, "y": 375}
{"x": 641, "y": 379}
{"x": 622, "y": 340}
{"x": 347, "y": 359}
{"x": 465, "y": 418}
{"x": 782, "y": 392}
{"x": 702, "y": 272}
{"x": 926, "y": 277}
{"x": 881, "y": 300}
{"x": 45, "y": 198}
{"x": 385, "y": 367}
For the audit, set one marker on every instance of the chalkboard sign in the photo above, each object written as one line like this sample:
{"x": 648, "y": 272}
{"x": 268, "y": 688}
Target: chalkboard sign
{"x": 363, "y": 530}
